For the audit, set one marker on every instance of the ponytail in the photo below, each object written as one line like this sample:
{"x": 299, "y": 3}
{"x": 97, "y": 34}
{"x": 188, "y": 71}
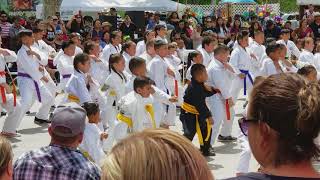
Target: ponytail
{"x": 192, "y": 55}
{"x": 115, "y": 58}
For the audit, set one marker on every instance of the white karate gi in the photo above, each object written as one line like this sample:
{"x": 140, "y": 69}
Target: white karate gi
{"x": 78, "y": 50}
{"x": 141, "y": 48}
{"x": 163, "y": 39}
{"x": 30, "y": 65}
{"x": 309, "y": 58}
{"x": 157, "y": 69}
{"x": 146, "y": 57}
{"x": 222, "y": 79}
{"x": 15, "y": 115}
{"x": 77, "y": 86}
{"x": 127, "y": 59}
{"x": 108, "y": 50}
{"x": 92, "y": 143}
{"x": 207, "y": 57}
{"x": 44, "y": 47}
{"x": 268, "y": 68}
{"x": 241, "y": 61}
{"x": 65, "y": 67}
{"x": 292, "y": 49}
{"x": 260, "y": 52}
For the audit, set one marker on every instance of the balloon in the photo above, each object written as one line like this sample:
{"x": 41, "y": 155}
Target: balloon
{"x": 246, "y": 14}
{"x": 260, "y": 14}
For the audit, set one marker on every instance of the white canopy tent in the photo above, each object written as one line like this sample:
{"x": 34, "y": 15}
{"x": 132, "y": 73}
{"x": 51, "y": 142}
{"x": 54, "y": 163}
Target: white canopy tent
{"x": 307, "y": 2}
{"x": 122, "y": 5}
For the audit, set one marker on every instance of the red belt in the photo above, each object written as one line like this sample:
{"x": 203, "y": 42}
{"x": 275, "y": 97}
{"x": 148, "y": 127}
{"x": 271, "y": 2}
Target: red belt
{"x": 2, "y": 89}
{"x": 226, "y": 104}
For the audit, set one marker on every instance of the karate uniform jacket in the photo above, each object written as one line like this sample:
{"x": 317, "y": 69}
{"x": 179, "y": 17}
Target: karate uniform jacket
{"x": 109, "y": 50}
{"x": 291, "y": 48}
{"x": 268, "y": 68}
{"x": 77, "y": 86}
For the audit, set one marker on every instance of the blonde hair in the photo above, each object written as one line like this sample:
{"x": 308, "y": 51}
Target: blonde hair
{"x": 157, "y": 154}
{"x": 5, "y": 154}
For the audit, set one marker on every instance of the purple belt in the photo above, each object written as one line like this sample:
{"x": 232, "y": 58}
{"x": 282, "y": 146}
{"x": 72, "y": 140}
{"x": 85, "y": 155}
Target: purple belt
{"x": 65, "y": 76}
{"x": 35, "y": 84}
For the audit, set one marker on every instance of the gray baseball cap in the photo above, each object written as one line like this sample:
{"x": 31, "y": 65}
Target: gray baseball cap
{"x": 71, "y": 117}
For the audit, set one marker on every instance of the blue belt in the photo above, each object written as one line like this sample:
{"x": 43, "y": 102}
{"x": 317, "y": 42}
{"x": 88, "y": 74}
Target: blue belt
{"x": 246, "y": 72}
{"x": 66, "y": 76}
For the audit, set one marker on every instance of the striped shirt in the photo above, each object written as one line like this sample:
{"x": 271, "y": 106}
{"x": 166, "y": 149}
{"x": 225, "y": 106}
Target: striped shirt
{"x": 4, "y": 29}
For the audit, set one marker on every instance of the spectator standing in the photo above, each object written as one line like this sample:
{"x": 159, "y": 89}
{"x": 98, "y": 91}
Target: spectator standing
{"x": 105, "y": 39}
{"x": 272, "y": 31}
{"x": 174, "y": 19}
{"x": 255, "y": 27}
{"x": 141, "y": 46}
{"x": 75, "y": 24}
{"x": 13, "y": 33}
{"x": 315, "y": 26}
{"x": 5, "y": 27}
{"x": 106, "y": 27}
{"x": 61, "y": 159}
{"x": 196, "y": 36}
{"x": 236, "y": 27}
{"x": 128, "y": 28}
{"x": 50, "y": 34}
{"x": 97, "y": 32}
{"x": 303, "y": 31}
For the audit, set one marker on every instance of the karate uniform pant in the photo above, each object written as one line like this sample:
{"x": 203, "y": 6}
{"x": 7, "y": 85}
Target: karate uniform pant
{"x": 102, "y": 101}
{"x": 29, "y": 95}
{"x": 170, "y": 115}
{"x": 15, "y": 114}
{"x": 116, "y": 133}
{"x": 159, "y": 113}
{"x": 189, "y": 129}
{"x": 238, "y": 87}
{"x": 218, "y": 110}
{"x": 245, "y": 156}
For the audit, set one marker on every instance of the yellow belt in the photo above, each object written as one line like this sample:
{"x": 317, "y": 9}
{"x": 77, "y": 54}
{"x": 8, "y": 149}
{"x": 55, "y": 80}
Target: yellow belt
{"x": 191, "y": 109}
{"x": 129, "y": 122}
{"x": 86, "y": 155}
{"x": 73, "y": 98}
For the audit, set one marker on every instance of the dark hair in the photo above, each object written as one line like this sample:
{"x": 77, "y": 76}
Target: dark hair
{"x": 140, "y": 82}
{"x": 270, "y": 40}
{"x": 158, "y": 27}
{"x": 88, "y": 46}
{"x": 146, "y": 34}
{"x": 66, "y": 44}
{"x": 80, "y": 58}
{"x": 290, "y": 106}
{"x": 221, "y": 48}
{"x": 91, "y": 108}
{"x": 136, "y": 62}
{"x": 191, "y": 56}
{"x": 273, "y": 47}
{"x": 285, "y": 31}
{"x": 206, "y": 41}
{"x": 115, "y": 58}
{"x": 242, "y": 35}
{"x": 218, "y": 26}
{"x": 196, "y": 69}
{"x": 37, "y": 30}
{"x": 24, "y": 33}
{"x": 306, "y": 70}
{"x": 127, "y": 45}
{"x": 150, "y": 43}
{"x": 257, "y": 33}
{"x": 158, "y": 44}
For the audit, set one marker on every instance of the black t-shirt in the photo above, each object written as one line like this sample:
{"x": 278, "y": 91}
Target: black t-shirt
{"x": 259, "y": 176}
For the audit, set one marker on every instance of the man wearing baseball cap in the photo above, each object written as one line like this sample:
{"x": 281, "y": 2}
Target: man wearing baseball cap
{"x": 61, "y": 159}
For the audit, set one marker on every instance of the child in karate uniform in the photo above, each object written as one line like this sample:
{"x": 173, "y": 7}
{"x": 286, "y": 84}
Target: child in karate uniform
{"x": 194, "y": 57}
{"x": 7, "y": 100}
{"x": 159, "y": 70}
{"x": 221, "y": 76}
{"x": 135, "y": 109}
{"x": 77, "y": 88}
{"x": 32, "y": 78}
{"x": 292, "y": 49}
{"x": 65, "y": 64}
{"x": 112, "y": 48}
{"x": 195, "y": 115}
{"x": 99, "y": 73}
{"x": 128, "y": 52}
{"x": 93, "y": 137}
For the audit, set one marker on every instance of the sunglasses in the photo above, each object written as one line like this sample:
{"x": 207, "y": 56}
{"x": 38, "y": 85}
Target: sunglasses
{"x": 244, "y": 125}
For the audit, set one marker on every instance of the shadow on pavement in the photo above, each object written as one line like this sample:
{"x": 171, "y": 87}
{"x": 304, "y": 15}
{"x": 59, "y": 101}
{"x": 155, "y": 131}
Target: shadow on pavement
{"x": 227, "y": 148}
{"x": 41, "y": 129}
{"x": 14, "y": 140}
{"x": 215, "y": 166}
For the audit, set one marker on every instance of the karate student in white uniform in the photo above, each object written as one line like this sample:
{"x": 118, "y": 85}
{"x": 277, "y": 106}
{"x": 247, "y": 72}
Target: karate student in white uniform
{"x": 221, "y": 76}
{"x": 78, "y": 86}
{"x": 150, "y": 53}
{"x": 99, "y": 73}
{"x": 242, "y": 62}
{"x": 142, "y": 45}
{"x": 292, "y": 49}
{"x": 194, "y": 57}
{"x": 93, "y": 137}
{"x": 158, "y": 70}
{"x": 65, "y": 64}
{"x": 275, "y": 63}
{"x": 307, "y": 55}
{"x": 31, "y": 78}
{"x": 258, "y": 50}
{"x": 128, "y": 52}
{"x": 208, "y": 45}
{"x": 136, "y": 110}
{"x": 7, "y": 97}
{"x": 112, "y": 48}
{"x": 161, "y": 32}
